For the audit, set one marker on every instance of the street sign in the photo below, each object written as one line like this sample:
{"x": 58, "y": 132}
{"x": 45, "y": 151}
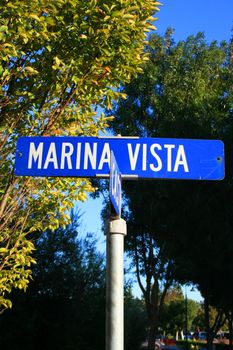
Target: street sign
{"x": 115, "y": 185}
{"x": 153, "y": 158}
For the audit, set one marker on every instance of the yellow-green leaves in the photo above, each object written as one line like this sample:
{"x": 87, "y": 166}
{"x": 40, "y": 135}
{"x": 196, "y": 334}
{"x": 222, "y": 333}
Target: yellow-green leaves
{"x": 31, "y": 70}
{"x": 15, "y": 260}
{"x": 69, "y": 43}
{"x": 34, "y": 16}
{"x": 60, "y": 61}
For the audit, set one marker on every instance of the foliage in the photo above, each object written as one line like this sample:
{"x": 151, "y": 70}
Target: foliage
{"x": 199, "y": 320}
{"x": 185, "y": 92}
{"x": 59, "y": 61}
{"x": 173, "y": 317}
{"x": 174, "y": 293}
{"x": 64, "y": 305}
{"x": 134, "y": 322}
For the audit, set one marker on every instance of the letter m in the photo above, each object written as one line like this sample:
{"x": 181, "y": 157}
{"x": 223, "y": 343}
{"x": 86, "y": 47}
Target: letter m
{"x": 35, "y": 154}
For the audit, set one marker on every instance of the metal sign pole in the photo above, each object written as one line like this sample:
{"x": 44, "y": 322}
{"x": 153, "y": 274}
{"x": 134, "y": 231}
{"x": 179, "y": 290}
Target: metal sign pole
{"x": 115, "y": 285}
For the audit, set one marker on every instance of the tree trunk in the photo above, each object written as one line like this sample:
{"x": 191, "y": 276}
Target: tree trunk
{"x": 152, "y": 306}
{"x": 152, "y": 332}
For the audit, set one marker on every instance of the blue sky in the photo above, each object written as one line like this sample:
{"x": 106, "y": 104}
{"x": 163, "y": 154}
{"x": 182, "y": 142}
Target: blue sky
{"x": 187, "y": 17}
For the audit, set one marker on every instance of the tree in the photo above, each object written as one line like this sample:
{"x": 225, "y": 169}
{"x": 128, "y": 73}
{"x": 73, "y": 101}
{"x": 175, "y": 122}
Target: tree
{"x": 134, "y": 321}
{"x": 174, "y": 313}
{"x": 215, "y": 318}
{"x": 59, "y": 62}
{"x": 184, "y": 92}
{"x": 64, "y": 306}
{"x": 154, "y": 270}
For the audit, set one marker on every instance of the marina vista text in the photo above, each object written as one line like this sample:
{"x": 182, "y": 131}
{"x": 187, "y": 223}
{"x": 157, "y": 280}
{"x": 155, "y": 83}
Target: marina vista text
{"x": 88, "y": 156}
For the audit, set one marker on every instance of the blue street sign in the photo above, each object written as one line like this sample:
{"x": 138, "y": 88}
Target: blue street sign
{"x": 154, "y": 158}
{"x": 115, "y": 185}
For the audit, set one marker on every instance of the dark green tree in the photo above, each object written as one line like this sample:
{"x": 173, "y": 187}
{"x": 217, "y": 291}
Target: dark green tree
{"x": 185, "y": 92}
{"x": 134, "y": 322}
{"x": 175, "y": 310}
{"x": 65, "y": 305}
{"x": 152, "y": 265}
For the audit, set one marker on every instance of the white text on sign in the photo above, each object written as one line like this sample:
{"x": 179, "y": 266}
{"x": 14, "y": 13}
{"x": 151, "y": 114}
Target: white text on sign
{"x": 84, "y": 156}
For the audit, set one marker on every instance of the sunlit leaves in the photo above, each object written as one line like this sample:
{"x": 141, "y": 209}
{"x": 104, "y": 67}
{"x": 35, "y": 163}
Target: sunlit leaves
{"x": 70, "y": 43}
{"x": 59, "y": 61}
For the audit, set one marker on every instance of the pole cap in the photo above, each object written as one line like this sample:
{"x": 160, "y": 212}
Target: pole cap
{"x": 117, "y": 226}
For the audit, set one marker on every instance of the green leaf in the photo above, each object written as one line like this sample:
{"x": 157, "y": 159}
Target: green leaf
{"x": 31, "y": 70}
{"x": 3, "y": 250}
{"x": 34, "y": 16}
